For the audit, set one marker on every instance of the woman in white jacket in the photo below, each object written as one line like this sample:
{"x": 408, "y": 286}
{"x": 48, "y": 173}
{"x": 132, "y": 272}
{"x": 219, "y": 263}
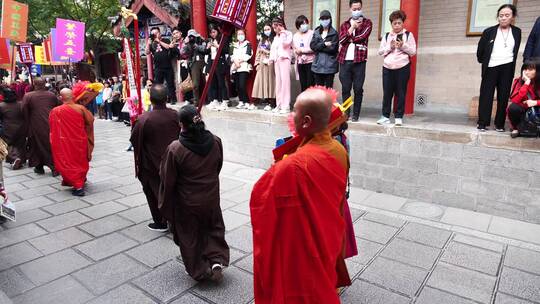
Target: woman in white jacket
{"x": 241, "y": 67}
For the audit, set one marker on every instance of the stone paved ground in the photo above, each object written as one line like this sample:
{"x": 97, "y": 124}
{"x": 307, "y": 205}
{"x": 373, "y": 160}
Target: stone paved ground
{"x": 97, "y": 249}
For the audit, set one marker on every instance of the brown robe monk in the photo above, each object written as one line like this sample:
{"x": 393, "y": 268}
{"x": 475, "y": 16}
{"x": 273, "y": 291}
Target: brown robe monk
{"x": 37, "y": 106}
{"x": 189, "y": 200}
{"x": 14, "y": 131}
{"x": 151, "y": 135}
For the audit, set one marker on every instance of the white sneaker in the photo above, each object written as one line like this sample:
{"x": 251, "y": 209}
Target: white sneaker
{"x": 383, "y": 120}
{"x": 252, "y": 107}
{"x": 224, "y": 106}
{"x": 275, "y": 110}
{"x": 398, "y": 122}
{"x": 240, "y": 105}
{"x": 284, "y": 111}
{"x": 268, "y": 108}
{"x": 213, "y": 105}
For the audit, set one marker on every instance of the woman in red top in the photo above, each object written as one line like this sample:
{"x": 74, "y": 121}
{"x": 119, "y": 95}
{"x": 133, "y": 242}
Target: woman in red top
{"x": 524, "y": 95}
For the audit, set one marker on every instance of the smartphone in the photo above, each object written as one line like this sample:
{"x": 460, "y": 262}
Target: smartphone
{"x": 399, "y": 37}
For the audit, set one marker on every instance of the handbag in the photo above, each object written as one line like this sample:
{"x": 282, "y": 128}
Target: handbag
{"x": 186, "y": 85}
{"x": 3, "y": 150}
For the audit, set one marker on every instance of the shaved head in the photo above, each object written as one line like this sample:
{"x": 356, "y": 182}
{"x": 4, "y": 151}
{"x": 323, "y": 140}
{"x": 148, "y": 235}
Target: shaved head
{"x": 66, "y": 95}
{"x": 312, "y": 111}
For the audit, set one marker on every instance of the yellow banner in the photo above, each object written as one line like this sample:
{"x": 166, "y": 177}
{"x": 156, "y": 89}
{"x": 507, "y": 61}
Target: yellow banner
{"x": 39, "y": 54}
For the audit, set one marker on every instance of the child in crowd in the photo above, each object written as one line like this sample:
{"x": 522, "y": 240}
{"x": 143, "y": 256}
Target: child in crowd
{"x": 241, "y": 67}
{"x": 265, "y": 80}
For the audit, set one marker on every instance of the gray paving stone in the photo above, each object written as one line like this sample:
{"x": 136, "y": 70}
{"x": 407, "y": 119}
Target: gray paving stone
{"x": 520, "y": 284}
{"x": 63, "y": 221}
{"x": 242, "y": 208}
{"x": 137, "y": 214}
{"x": 110, "y": 273}
{"x": 361, "y": 292}
{"x": 53, "y": 266}
{"x": 411, "y": 253}
{"x": 239, "y": 195}
{"x": 384, "y": 201}
{"x": 32, "y": 203}
{"x": 64, "y": 290}
{"x": 60, "y": 196}
{"x": 523, "y": 259}
{"x": 59, "y": 240}
{"x": 19, "y": 234}
{"x": 241, "y": 238}
{"x": 384, "y": 219}
{"x": 356, "y": 214}
{"x": 102, "y": 210}
{"x": 353, "y": 268}
{"x": 106, "y": 246}
{"x": 141, "y": 233}
{"x": 166, "y": 282}
{"x": 14, "y": 283}
{"x": 246, "y": 263}
{"x": 26, "y": 217}
{"x": 133, "y": 200}
{"x": 47, "y": 180}
{"x": 366, "y": 251}
{"x": 514, "y": 229}
{"x": 236, "y": 288}
{"x": 102, "y": 197}
{"x": 467, "y": 283}
{"x": 234, "y": 220}
{"x": 33, "y": 192}
{"x": 472, "y": 258}
{"x": 395, "y": 276}
{"x": 228, "y": 184}
{"x": 374, "y": 231}
{"x": 466, "y": 218}
{"x": 156, "y": 252}
{"x": 130, "y": 189}
{"x": 189, "y": 299}
{"x": 506, "y": 299}
{"x": 226, "y": 204}
{"x": 490, "y": 245}
{"x": 65, "y": 207}
{"x": 431, "y": 295}
{"x": 425, "y": 235}
{"x": 105, "y": 225}
{"x": 124, "y": 294}
{"x": 235, "y": 255}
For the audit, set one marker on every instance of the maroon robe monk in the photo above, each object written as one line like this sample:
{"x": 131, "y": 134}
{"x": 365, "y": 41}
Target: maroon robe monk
{"x": 72, "y": 141}
{"x": 36, "y": 108}
{"x": 13, "y": 128}
{"x": 189, "y": 197}
{"x": 296, "y": 214}
{"x": 151, "y": 135}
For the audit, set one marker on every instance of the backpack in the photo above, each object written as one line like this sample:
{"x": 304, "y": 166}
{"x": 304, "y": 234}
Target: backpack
{"x": 530, "y": 125}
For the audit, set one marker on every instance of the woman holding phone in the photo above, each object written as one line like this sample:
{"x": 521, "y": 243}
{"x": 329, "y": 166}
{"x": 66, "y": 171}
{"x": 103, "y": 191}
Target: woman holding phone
{"x": 397, "y": 47}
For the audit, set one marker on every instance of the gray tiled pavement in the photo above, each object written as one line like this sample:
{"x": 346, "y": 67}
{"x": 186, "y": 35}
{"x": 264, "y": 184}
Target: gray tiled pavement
{"x": 97, "y": 249}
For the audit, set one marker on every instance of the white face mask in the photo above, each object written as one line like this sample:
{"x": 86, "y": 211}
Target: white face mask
{"x": 267, "y": 33}
{"x": 357, "y": 14}
{"x": 241, "y": 38}
{"x": 325, "y": 23}
{"x": 304, "y": 27}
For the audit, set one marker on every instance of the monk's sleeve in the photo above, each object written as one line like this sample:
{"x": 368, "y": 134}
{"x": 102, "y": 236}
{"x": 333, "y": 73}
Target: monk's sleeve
{"x": 89, "y": 126}
{"x": 167, "y": 187}
{"x": 220, "y": 154}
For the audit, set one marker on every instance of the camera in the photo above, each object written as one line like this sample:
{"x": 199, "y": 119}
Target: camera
{"x": 152, "y": 37}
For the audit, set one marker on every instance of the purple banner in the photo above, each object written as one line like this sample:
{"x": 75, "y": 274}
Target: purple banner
{"x": 69, "y": 42}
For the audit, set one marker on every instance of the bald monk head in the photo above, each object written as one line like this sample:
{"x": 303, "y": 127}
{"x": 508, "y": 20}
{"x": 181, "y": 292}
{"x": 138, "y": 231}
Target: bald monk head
{"x": 312, "y": 111}
{"x": 66, "y": 95}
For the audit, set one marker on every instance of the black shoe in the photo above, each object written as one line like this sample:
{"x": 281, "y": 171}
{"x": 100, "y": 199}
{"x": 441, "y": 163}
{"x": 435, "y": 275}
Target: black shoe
{"x": 78, "y": 192}
{"x": 158, "y": 227}
{"x": 39, "y": 170}
{"x": 481, "y": 128}
{"x": 216, "y": 273}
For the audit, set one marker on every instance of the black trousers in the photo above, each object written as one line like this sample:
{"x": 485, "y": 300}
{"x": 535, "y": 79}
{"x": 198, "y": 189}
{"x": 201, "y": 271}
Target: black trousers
{"x": 325, "y": 80}
{"x": 305, "y": 75}
{"x": 167, "y": 75}
{"x": 352, "y": 76}
{"x": 150, "y": 185}
{"x": 218, "y": 87}
{"x": 516, "y": 115}
{"x": 395, "y": 84}
{"x": 240, "y": 82}
{"x": 500, "y": 78}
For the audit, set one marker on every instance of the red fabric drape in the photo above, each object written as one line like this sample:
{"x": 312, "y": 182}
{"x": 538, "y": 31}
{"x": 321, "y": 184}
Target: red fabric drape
{"x": 69, "y": 145}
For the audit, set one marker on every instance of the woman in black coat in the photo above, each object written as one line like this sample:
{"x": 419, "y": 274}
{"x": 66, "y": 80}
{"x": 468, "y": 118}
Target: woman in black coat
{"x": 497, "y": 52}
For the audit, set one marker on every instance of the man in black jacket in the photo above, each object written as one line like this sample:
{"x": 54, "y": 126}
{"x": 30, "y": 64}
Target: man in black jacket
{"x": 532, "y": 49}
{"x": 163, "y": 69}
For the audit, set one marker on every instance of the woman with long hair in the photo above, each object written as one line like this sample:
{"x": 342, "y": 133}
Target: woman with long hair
{"x": 218, "y": 88}
{"x": 265, "y": 81}
{"x": 189, "y": 197}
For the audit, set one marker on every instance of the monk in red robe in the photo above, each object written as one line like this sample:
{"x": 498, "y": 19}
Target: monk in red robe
{"x": 72, "y": 141}
{"x": 296, "y": 214}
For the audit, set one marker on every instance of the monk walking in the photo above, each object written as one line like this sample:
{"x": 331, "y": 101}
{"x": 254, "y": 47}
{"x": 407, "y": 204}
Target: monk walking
{"x": 37, "y": 106}
{"x": 189, "y": 197}
{"x": 296, "y": 214}
{"x": 151, "y": 135}
{"x": 13, "y": 128}
{"x": 72, "y": 141}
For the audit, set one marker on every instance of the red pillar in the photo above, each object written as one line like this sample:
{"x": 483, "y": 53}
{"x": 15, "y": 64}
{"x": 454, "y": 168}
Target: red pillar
{"x": 412, "y": 9}
{"x": 251, "y": 33}
{"x": 198, "y": 17}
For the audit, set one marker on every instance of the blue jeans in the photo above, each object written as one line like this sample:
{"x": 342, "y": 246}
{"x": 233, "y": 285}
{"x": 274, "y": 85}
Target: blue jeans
{"x": 108, "y": 111}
